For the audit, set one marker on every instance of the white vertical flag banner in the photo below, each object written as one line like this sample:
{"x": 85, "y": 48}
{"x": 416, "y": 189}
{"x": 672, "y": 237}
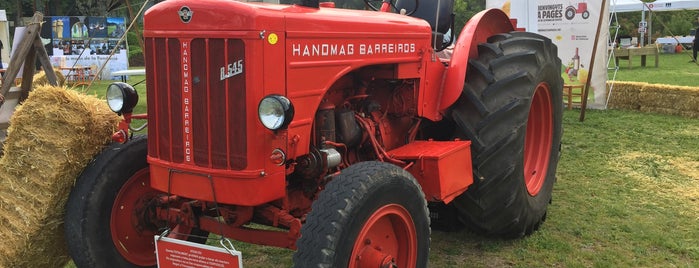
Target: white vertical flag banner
{"x": 573, "y": 27}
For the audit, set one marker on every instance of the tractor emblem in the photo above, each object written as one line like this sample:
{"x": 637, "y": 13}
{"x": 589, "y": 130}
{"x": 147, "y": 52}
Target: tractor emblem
{"x": 185, "y": 14}
{"x": 580, "y": 9}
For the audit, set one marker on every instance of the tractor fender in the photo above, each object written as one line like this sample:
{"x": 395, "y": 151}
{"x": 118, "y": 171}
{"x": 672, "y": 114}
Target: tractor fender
{"x": 477, "y": 30}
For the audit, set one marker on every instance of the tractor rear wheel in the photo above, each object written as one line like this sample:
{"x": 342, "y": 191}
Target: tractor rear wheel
{"x": 510, "y": 109}
{"x": 570, "y": 13}
{"x": 373, "y": 214}
{"x": 105, "y": 222}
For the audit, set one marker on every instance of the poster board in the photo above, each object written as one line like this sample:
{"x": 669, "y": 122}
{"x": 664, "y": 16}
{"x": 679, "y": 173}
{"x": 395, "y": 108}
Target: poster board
{"x": 522, "y": 10}
{"x": 5, "y": 38}
{"x": 173, "y": 253}
{"x": 573, "y": 28}
{"x": 86, "y": 41}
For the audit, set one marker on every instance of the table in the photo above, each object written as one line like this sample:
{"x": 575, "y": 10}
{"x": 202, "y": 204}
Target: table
{"x": 672, "y": 41}
{"x": 78, "y": 75}
{"x": 629, "y": 53}
{"x": 125, "y": 73}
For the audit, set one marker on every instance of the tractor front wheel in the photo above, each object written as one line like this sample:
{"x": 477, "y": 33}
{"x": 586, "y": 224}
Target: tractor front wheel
{"x": 511, "y": 111}
{"x": 106, "y": 221}
{"x": 372, "y": 214}
{"x": 586, "y": 14}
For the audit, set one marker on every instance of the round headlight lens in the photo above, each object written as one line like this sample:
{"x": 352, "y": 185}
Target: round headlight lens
{"x": 115, "y": 98}
{"x": 275, "y": 112}
{"x": 121, "y": 97}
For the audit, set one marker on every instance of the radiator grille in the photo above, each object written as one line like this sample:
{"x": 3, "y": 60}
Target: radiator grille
{"x": 197, "y": 114}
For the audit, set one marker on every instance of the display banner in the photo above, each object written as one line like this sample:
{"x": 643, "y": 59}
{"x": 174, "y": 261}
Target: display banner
{"x": 5, "y": 38}
{"x": 85, "y": 41}
{"x": 522, "y": 10}
{"x": 572, "y": 26}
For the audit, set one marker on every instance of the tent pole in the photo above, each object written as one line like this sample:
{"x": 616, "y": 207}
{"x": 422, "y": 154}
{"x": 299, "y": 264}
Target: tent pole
{"x": 643, "y": 21}
{"x": 650, "y": 26}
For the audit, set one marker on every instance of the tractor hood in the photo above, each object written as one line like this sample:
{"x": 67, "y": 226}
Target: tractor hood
{"x": 217, "y": 15}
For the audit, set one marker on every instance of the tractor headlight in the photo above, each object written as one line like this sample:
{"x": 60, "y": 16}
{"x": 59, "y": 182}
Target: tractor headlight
{"x": 121, "y": 97}
{"x": 275, "y": 112}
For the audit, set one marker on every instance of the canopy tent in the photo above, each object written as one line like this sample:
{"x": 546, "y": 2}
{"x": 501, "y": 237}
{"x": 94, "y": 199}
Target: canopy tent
{"x": 659, "y": 5}
{"x": 617, "y": 6}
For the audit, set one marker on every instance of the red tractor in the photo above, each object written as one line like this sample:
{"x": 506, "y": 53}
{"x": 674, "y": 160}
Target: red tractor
{"x": 581, "y": 9}
{"x": 342, "y": 134}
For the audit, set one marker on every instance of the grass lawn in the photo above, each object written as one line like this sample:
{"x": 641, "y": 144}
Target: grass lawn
{"x": 627, "y": 196}
{"x": 673, "y": 69}
{"x": 627, "y": 193}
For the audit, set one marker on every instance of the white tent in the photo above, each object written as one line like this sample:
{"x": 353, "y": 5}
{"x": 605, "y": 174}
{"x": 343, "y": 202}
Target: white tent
{"x": 659, "y": 5}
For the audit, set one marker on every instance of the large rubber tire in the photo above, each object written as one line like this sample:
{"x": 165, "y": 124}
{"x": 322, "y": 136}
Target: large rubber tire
{"x": 510, "y": 110}
{"x": 117, "y": 178}
{"x": 369, "y": 205}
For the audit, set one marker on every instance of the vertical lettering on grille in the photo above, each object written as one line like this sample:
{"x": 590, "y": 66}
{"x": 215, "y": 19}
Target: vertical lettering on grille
{"x": 197, "y": 118}
{"x": 186, "y": 103}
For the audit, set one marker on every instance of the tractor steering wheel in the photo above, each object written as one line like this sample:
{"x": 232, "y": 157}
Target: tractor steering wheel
{"x": 387, "y": 6}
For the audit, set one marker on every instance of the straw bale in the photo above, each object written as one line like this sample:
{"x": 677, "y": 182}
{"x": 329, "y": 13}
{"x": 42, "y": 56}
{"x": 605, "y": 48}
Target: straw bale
{"x": 52, "y": 137}
{"x": 625, "y": 95}
{"x": 678, "y": 98}
{"x": 656, "y": 98}
{"x": 41, "y": 80}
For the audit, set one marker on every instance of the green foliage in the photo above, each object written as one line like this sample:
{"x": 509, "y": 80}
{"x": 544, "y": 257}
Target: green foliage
{"x": 666, "y": 23}
{"x": 135, "y": 51}
{"x": 464, "y": 10}
{"x": 132, "y": 39}
{"x": 675, "y": 22}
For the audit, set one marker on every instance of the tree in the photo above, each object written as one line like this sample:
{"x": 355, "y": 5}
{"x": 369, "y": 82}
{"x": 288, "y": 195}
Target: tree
{"x": 464, "y": 10}
{"x": 94, "y": 7}
{"x": 666, "y": 23}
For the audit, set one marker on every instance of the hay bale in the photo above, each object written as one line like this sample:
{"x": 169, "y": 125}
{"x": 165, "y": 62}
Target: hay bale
{"x": 655, "y": 98}
{"x": 41, "y": 80}
{"x": 626, "y": 95}
{"x": 52, "y": 137}
{"x": 678, "y": 98}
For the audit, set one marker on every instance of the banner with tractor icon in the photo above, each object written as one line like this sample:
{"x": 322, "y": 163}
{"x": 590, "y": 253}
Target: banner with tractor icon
{"x": 573, "y": 26}
{"x": 575, "y": 33}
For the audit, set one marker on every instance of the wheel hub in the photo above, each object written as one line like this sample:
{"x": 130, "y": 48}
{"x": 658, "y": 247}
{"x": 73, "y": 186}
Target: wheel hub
{"x": 387, "y": 239}
{"x": 538, "y": 140}
{"x": 132, "y": 236}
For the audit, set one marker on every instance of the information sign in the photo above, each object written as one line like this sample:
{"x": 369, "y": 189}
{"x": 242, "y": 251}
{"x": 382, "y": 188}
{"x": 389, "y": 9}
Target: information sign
{"x": 175, "y": 253}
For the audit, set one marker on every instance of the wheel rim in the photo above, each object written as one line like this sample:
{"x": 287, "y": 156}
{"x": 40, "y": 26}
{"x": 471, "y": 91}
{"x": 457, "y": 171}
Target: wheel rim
{"x": 387, "y": 238}
{"x": 538, "y": 140}
{"x": 131, "y": 237}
